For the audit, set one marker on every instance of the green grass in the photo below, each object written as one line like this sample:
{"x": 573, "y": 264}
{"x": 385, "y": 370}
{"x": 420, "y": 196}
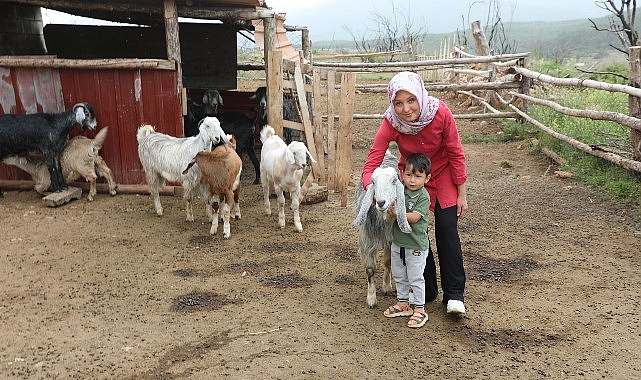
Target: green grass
{"x": 618, "y": 183}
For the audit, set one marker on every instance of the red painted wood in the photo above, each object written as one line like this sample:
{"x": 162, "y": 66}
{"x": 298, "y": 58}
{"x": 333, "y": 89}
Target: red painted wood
{"x": 122, "y": 99}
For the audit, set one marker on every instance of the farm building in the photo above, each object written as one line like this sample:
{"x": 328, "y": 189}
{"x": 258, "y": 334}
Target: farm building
{"x": 140, "y": 71}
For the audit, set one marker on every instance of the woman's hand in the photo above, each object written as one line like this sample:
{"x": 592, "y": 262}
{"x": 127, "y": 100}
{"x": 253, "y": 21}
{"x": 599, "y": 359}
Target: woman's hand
{"x": 461, "y": 201}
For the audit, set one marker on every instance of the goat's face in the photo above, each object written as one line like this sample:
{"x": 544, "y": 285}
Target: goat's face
{"x": 210, "y": 126}
{"x": 260, "y": 96}
{"x": 385, "y": 181}
{"x": 296, "y": 154}
{"x": 85, "y": 116}
{"x": 211, "y": 101}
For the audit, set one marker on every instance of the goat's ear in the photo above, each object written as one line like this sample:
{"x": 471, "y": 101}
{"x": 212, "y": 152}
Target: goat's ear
{"x": 401, "y": 215}
{"x": 366, "y": 203}
{"x": 289, "y": 156}
{"x": 310, "y": 155}
{"x": 79, "y": 111}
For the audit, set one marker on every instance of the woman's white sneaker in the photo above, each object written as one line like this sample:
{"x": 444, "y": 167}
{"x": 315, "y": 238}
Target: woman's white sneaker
{"x": 455, "y": 307}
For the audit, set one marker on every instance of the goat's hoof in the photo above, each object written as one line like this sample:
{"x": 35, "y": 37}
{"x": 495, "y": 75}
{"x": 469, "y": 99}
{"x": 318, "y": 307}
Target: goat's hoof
{"x": 112, "y": 192}
{"x": 226, "y": 236}
{"x": 90, "y": 199}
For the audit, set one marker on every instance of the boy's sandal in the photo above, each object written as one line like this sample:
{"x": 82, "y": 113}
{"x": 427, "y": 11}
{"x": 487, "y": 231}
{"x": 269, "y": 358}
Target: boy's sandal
{"x": 417, "y": 319}
{"x": 398, "y": 310}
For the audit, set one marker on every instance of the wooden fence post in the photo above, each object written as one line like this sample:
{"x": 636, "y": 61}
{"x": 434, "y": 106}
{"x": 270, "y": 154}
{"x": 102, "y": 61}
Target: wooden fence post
{"x": 275, "y": 90}
{"x": 331, "y": 131}
{"x": 344, "y": 136}
{"x": 634, "y": 102}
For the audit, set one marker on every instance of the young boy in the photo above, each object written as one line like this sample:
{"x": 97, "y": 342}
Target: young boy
{"x": 409, "y": 251}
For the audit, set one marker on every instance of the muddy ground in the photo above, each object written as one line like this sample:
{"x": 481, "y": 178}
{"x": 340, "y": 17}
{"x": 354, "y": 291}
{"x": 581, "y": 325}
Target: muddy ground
{"x": 109, "y": 290}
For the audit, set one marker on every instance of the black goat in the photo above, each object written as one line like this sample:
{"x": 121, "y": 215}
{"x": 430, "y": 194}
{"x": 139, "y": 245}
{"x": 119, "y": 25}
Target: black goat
{"x": 46, "y": 133}
{"x": 290, "y": 112}
{"x": 242, "y": 127}
{"x": 197, "y": 111}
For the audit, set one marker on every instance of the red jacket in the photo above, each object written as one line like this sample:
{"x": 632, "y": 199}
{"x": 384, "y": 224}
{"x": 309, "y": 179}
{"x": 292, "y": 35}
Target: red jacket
{"x": 439, "y": 141}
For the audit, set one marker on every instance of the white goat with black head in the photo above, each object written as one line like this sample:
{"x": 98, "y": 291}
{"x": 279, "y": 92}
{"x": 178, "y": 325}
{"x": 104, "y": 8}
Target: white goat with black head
{"x": 281, "y": 166}
{"x": 164, "y": 158}
{"x": 375, "y": 224}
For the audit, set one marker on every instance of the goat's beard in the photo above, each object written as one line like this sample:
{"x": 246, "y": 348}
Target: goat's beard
{"x": 386, "y": 211}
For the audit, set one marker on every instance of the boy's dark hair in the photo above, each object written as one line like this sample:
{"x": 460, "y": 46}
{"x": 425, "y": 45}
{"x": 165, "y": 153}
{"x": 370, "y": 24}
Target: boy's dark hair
{"x": 420, "y": 163}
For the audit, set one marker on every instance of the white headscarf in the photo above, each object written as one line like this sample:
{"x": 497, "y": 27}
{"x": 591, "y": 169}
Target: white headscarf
{"x": 412, "y": 83}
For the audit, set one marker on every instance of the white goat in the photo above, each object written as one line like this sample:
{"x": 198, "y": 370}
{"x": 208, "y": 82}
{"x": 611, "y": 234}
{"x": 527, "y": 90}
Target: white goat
{"x": 281, "y": 166}
{"x": 164, "y": 158}
{"x": 220, "y": 170}
{"x": 375, "y": 224}
{"x": 79, "y": 158}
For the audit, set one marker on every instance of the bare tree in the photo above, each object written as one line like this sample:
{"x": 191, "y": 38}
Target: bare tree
{"x": 495, "y": 30}
{"x": 621, "y": 23}
{"x": 395, "y": 32}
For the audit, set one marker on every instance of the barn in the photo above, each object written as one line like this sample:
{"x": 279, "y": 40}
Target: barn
{"x": 140, "y": 71}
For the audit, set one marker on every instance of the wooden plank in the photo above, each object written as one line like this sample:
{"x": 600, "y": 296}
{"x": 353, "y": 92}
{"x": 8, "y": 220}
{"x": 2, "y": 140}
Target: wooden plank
{"x": 344, "y": 137}
{"x": 304, "y": 110}
{"x": 331, "y": 130}
{"x": 62, "y": 197}
{"x": 320, "y": 137}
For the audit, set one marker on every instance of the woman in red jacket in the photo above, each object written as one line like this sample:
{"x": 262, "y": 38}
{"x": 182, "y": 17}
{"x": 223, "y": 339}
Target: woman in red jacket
{"x": 420, "y": 123}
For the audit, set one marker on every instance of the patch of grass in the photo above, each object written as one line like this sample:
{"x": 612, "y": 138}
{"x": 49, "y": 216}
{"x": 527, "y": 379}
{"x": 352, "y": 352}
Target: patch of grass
{"x": 620, "y": 184}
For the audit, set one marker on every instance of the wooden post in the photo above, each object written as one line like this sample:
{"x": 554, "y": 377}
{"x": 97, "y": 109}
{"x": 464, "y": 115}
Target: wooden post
{"x": 306, "y": 44}
{"x": 344, "y": 137}
{"x": 172, "y": 39}
{"x": 634, "y": 102}
{"x": 275, "y": 90}
{"x": 304, "y": 114}
{"x": 319, "y": 135}
{"x": 269, "y": 30}
{"x": 525, "y": 85}
{"x": 331, "y": 131}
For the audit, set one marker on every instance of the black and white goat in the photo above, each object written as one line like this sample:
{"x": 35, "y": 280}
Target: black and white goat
{"x": 164, "y": 158}
{"x": 282, "y": 166}
{"x": 375, "y": 224}
{"x": 46, "y": 133}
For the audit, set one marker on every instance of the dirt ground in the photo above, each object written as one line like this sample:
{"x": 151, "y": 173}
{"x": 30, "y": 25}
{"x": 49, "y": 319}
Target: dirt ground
{"x": 109, "y": 290}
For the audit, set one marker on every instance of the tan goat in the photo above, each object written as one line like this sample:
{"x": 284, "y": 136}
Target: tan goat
{"x": 220, "y": 170}
{"x": 79, "y": 159}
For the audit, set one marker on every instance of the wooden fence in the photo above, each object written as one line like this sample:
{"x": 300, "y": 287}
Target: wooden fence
{"x": 500, "y": 84}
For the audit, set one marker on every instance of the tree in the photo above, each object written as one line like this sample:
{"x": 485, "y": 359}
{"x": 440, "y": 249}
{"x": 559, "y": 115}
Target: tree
{"x": 495, "y": 31}
{"x": 395, "y": 32}
{"x": 621, "y": 22}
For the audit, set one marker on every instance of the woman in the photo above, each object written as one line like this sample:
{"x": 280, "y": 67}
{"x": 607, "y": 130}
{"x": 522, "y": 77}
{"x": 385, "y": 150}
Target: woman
{"x": 420, "y": 123}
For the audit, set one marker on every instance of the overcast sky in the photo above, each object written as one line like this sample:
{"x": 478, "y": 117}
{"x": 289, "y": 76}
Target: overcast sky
{"x": 326, "y": 18}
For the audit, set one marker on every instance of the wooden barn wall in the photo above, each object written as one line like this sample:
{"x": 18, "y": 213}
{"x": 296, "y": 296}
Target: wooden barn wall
{"x": 122, "y": 99}
{"x": 208, "y": 51}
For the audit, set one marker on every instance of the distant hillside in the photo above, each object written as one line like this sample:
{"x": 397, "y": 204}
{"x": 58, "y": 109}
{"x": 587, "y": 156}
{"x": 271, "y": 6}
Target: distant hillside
{"x": 575, "y": 39}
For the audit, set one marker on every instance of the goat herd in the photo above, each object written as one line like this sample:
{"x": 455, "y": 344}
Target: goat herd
{"x": 208, "y": 157}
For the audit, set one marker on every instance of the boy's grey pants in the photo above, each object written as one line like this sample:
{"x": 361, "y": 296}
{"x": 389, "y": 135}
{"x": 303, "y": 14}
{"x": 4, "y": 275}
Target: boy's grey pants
{"x": 407, "y": 271}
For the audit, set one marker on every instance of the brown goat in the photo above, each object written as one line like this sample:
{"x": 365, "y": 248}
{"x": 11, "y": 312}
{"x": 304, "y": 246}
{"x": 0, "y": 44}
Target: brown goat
{"x": 220, "y": 170}
{"x": 79, "y": 158}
